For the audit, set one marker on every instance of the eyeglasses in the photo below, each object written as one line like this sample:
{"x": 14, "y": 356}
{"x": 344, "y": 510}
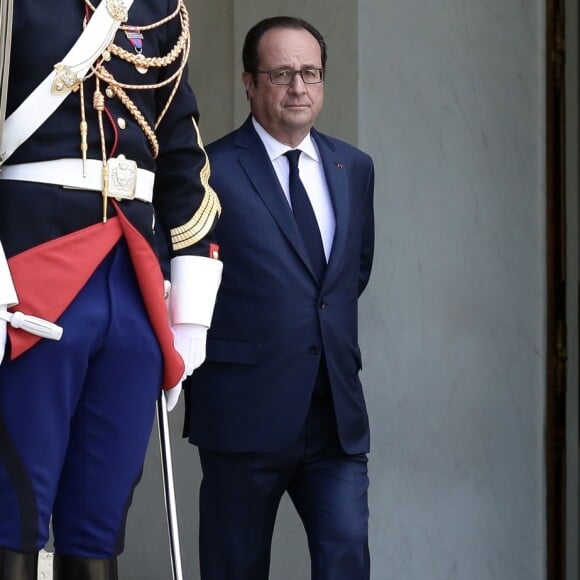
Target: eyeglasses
{"x": 285, "y": 76}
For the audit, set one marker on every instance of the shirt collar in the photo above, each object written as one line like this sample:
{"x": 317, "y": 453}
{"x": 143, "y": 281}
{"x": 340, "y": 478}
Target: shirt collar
{"x": 276, "y": 149}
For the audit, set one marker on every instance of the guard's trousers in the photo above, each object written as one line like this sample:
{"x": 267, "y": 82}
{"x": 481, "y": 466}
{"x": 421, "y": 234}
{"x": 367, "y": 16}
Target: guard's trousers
{"x": 75, "y": 420}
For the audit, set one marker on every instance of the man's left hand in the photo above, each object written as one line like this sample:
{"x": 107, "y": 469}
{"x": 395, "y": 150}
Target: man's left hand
{"x": 189, "y": 341}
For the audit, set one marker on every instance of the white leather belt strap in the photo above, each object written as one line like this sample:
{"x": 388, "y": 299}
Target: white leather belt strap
{"x": 52, "y": 91}
{"x": 126, "y": 181}
{"x": 6, "y": 16}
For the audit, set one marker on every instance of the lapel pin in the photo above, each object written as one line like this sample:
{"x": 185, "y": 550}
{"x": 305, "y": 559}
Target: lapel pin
{"x": 339, "y": 164}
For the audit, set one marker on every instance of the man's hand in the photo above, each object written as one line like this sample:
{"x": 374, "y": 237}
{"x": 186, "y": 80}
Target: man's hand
{"x": 190, "y": 299}
{"x": 172, "y": 397}
{"x": 189, "y": 341}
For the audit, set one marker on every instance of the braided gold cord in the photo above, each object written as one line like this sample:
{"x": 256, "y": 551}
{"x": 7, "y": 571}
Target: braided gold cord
{"x": 180, "y": 48}
{"x": 156, "y": 61}
{"x": 169, "y": 101}
{"x": 98, "y": 101}
{"x": 106, "y": 76}
{"x": 147, "y": 26}
{"x": 175, "y": 87}
{"x": 185, "y": 26}
{"x": 99, "y": 105}
{"x": 138, "y": 116}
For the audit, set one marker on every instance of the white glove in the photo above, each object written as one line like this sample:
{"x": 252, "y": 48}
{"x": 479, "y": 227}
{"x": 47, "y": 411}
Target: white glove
{"x": 172, "y": 396}
{"x": 189, "y": 341}
{"x": 3, "y": 333}
{"x": 190, "y": 299}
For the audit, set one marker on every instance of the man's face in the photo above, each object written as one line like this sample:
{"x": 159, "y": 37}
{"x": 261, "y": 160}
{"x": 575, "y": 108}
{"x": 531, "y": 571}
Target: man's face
{"x": 287, "y": 112}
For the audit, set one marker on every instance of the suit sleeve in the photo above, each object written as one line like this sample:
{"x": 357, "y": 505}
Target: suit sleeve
{"x": 368, "y": 232}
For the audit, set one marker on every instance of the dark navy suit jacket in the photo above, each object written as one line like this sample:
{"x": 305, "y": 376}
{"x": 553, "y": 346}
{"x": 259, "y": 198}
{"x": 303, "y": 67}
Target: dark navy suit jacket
{"x": 273, "y": 321}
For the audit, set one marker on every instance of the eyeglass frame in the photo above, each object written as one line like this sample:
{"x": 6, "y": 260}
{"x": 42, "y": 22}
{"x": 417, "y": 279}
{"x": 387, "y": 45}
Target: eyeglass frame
{"x": 294, "y": 73}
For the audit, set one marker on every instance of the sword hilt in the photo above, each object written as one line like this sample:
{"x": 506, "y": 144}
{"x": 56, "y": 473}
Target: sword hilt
{"x": 33, "y": 324}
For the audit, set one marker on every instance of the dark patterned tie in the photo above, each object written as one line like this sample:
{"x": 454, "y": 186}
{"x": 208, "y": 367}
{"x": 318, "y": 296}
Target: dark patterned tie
{"x": 304, "y": 216}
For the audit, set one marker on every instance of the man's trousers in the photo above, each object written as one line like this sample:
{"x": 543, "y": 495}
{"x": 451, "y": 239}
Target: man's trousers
{"x": 75, "y": 420}
{"x": 241, "y": 492}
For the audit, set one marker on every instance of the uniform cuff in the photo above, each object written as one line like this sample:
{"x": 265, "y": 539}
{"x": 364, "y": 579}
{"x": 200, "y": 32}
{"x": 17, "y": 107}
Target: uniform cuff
{"x": 194, "y": 284}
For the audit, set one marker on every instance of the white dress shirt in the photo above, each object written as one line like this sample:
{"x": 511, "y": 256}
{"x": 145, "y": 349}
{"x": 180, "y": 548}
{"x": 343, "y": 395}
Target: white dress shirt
{"x": 312, "y": 176}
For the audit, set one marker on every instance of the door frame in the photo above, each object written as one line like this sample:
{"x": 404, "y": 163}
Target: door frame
{"x": 562, "y": 226}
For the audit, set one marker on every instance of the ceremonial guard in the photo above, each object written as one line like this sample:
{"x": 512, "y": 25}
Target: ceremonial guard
{"x": 100, "y": 143}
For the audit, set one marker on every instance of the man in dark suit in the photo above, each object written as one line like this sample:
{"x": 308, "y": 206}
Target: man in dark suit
{"x": 278, "y": 405}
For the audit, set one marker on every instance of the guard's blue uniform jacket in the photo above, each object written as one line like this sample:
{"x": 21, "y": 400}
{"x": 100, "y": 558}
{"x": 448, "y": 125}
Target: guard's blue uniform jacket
{"x": 76, "y": 415}
{"x": 43, "y": 32}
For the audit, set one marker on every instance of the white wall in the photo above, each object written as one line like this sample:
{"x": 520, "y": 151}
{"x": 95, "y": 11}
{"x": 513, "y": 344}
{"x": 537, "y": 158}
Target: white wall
{"x": 452, "y": 107}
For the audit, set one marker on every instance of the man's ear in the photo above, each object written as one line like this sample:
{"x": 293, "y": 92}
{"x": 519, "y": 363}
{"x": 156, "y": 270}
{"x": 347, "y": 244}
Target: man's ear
{"x": 248, "y": 84}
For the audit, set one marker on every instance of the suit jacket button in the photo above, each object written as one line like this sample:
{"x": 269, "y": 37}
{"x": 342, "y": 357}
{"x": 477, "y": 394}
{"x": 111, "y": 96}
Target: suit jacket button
{"x": 314, "y": 349}
{"x": 322, "y": 304}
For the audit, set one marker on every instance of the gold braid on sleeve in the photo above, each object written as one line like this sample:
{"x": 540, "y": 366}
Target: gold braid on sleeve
{"x": 204, "y": 218}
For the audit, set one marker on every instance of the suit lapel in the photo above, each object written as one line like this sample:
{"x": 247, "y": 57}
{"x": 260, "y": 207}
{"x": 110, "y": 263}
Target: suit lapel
{"x": 335, "y": 172}
{"x": 255, "y": 162}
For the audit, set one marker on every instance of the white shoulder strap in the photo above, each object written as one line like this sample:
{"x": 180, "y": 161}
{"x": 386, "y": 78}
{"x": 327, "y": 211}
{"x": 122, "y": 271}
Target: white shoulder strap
{"x": 52, "y": 91}
{"x": 6, "y": 13}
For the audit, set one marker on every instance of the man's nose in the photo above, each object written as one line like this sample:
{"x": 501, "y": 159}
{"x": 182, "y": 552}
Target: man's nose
{"x": 298, "y": 85}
